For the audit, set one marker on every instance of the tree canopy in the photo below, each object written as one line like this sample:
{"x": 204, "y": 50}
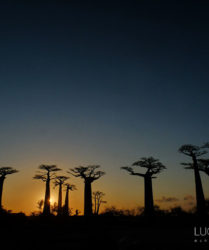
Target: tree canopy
{"x": 7, "y": 170}
{"x": 153, "y": 166}
{"x": 88, "y": 172}
{"x": 193, "y": 150}
{"x": 59, "y": 180}
{"x": 47, "y": 172}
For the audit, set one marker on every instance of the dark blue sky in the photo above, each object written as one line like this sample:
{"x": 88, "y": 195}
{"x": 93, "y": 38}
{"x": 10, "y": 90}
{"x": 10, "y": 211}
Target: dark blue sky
{"x": 102, "y": 83}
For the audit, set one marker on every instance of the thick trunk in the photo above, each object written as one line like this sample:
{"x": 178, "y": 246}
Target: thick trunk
{"x": 66, "y": 206}
{"x": 199, "y": 190}
{"x": 87, "y": 199}
{"x": 148, "y": 197}
{"x": 47, "y": 197}
{"x": 2, "y": 178}
{"x": 95, "y": 205}
{"x": 59, "y": 212}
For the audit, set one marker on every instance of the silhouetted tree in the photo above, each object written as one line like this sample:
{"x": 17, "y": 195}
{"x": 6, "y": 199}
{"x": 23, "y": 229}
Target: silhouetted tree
{"x": 59, "y": 181}
{"x": 113, "y": 211}
{"x": 98, "y": 200}
{"x": 177, "y": 211}
{"x": 46, "y": 175}
{"x": 77, "y": 212}
{"x": 194, "y": 152}
{"x": 89, "y": 174}
{"x": 40, "y": 204}
{"x": 66, "y": 210}
{"x": 153, "y": 167}
{"x": 54, "y": 208}
{"x": 4, "y": 171}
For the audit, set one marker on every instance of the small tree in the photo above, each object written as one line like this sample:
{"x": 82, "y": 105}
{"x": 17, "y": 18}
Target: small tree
{"x": 195, "y": 152}
{"x": 54, "y": 208}
{"x": 77, "y": 212}
{"x": 40, "y": 204}
{"x": 59, "y": 181}
{"x": 153, "y": 167}
{"x": 46, "y": 175}
{"x": 98, "y": 200}
{"x": 66, "y": 210}
{"x": 4, "y": 171}
{"x": 89, "y": 174}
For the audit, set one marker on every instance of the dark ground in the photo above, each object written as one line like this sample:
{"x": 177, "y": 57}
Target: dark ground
{"x": 101, "y": 232}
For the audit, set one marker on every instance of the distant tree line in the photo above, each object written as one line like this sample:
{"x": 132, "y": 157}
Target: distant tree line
{"x": 91, "y": 173}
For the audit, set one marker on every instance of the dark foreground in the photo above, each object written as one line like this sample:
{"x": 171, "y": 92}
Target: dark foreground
{"x": 102, "y": 232}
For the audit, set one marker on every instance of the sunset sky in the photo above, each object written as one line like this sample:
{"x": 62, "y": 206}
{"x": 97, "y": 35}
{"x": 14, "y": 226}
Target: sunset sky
{"x": 102, "y": 83}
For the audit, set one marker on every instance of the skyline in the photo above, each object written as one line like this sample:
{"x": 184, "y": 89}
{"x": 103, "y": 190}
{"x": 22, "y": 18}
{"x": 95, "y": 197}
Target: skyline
{"x": 102, "y": 83}
{"x": 185, "y": 200}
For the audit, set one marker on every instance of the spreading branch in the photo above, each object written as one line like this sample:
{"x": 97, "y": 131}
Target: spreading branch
{"x": 88, "y": 172}
{"x": 6, "y": 171}
{"x": 70, "y": 187}
{"x": 195, "y": 152}
{"x": 59, "y": 180}
{"x": 131, "y": 171}
{"x": 47, "y": 172}
{"x": 192, "y": 150}
{"x": 152, "y": 165}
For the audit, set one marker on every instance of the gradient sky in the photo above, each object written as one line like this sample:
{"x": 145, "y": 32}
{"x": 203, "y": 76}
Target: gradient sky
{"x": 102, "y": 83}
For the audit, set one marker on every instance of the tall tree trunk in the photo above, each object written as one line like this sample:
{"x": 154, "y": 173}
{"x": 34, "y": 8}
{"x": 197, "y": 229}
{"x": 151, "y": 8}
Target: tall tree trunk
{"x": 98, "y": 206}
{"x": 87, "y": 198}
{"x": 148, "y": 197}
{"x": 95, "y": 204}
{"x": 199, "y": 190}
{"x": 47, "y": 197}
{"x": 59, "y": 212}
{"x": 2, "y": 178}
{"x": 66, "y": 206}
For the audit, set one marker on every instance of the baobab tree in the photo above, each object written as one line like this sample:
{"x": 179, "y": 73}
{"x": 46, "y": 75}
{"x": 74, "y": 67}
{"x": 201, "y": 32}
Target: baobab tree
{"x": 66, "y": 205}
{"x": 46, "y": 175}
{"x": 59, "y": 181}
{"x": 4, "y": 171}
{"x": 195, "y": 152}
{"x": 154, "y": 167}
{"x": 89, "y": 174}
{"x": 98, "y": 200}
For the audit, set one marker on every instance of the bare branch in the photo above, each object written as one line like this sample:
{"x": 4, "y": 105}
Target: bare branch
{"x": 40, "y": 177}
{"x": 130, "y": 170}
{"x": 187, "y": 165}
{"x": 97, "y": 175}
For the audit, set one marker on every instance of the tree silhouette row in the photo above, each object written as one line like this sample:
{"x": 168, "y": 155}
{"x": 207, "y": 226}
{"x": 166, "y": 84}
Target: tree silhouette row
{"x": 90, "y": 173}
